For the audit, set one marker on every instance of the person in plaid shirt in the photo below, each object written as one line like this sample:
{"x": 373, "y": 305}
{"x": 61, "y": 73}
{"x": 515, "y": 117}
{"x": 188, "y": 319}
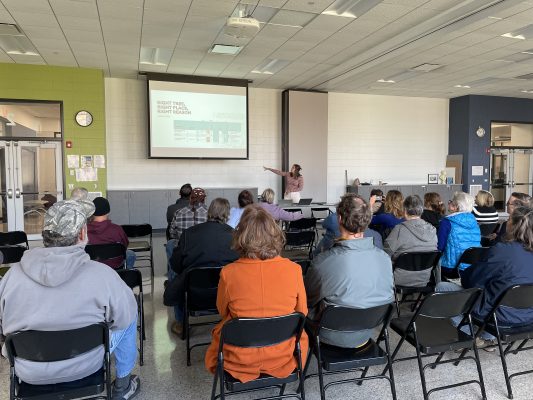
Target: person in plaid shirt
{"x": 194, "y": 214}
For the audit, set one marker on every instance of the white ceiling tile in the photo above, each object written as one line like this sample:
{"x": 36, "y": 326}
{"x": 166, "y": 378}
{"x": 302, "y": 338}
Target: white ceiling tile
{"x": 38, "y": 6}
{"x": 76, "y": 9}
{"x": 316, "y": 6}
{"x": 79, "y": 23}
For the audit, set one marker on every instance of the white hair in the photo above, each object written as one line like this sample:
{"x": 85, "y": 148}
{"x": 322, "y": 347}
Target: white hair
{"x": 463, "y": 201}
{"x": 79, "y": 193}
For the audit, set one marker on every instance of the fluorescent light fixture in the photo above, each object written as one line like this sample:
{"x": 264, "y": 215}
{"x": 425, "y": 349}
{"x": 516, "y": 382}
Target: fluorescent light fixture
{"x": 462, "y": 86}
{"x": 270, "y": 66}
{"x": 14, "y": 42}
{"x": 498, "y": 18}
{"x": 10, "y": 30}
{"x": 530, "y": 52}
{"x": 225, "y": 49}
{"x": 522, "y": 34}
{"x": 386, "y": 81}
{"x": 350, "y": 8}
{"x": 527, "y": 91}
{"x": 155, "y": 56}
{"x": 510, "y": 35}
{"x": 22, "y": 53}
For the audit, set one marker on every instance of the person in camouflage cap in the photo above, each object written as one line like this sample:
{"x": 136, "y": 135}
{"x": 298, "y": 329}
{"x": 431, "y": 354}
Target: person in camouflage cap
{"x": 58, "y": 287}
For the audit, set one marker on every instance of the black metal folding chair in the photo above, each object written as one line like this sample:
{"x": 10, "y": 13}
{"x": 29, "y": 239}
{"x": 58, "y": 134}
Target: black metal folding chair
{"x": 304, "y": 264}
{"x": 335, "y": 360}
{"x": 107, "y": 251}
{"x": 487, "y": 229}
{"x": 470, "y": 256}
{"x": 320, "y": 213}
{"x": 14, "y": 238}
{"x": 145, "y": 247}
{"x": 201, "y": 286}
{"x": 257, "y": 333}
{"x": 431, "y": 331}
{"x": 419, "y": 266}
{"x": 49, "y": 346}
{"x": 299, "y": 244}
{"x": 134, "y": 279}
{"x": 517, "y": 296}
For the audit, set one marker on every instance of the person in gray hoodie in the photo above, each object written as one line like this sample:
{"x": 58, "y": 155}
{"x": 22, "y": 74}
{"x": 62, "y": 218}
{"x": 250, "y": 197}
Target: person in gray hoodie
{"x": 58, "y": 287}
{"x": 412, "y": 235}
{"x": 353, "y": 273}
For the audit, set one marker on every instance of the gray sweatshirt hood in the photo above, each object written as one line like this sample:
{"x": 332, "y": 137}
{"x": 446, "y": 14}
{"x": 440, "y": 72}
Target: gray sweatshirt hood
{"x": 53, "y": 266}
{"x": 420, "y": 229}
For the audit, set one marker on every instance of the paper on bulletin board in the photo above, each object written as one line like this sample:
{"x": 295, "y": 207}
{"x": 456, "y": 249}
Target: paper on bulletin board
{"x": 477, "y": 170}
{"x": 86, "y": 174}
{"x": 73, "y": 161}
{"x": 99, "y": 161}
{"x": 86, "y": 161}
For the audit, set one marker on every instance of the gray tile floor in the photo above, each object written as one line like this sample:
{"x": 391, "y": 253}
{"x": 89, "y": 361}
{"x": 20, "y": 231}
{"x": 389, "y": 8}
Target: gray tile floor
{"x": 166, "y": 376}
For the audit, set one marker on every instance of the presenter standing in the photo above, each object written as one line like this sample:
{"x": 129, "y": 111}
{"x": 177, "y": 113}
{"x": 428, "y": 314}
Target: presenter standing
{"x": 294, "y": 182}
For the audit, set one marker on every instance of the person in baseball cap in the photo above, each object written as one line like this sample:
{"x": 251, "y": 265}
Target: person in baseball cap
{"x": 58, "y": 287}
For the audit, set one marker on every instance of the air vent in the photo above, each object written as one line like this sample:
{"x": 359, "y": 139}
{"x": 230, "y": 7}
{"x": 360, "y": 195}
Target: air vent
{"x": 474, "y": 189}
{"x": 526, "y": 76}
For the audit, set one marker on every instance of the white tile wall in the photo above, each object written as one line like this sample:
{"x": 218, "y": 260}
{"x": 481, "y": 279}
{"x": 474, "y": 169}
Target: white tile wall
{"x": 389, "y": 138}
{"x": 127, "y": 145}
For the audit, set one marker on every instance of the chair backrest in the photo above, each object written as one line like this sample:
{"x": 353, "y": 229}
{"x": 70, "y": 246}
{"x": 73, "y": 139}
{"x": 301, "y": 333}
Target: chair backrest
{"x": 140, "y": 230}
{"x": 262, "y": 332}
{"x": 14, "y": 238}
{"x": 293, "y": 210}
{"x": 50, "y": 346}
{"x": 488, "y": 228}
{"x": 320, "y": 212}
{"x": 349, "y": 319}
{"x": 299, "y": 239}
{"x": 107, "y": 251}
{"x": 302, "y": 224}
{"x": 12, "y": 254}
{"x": 304, "y": 264}
{"x": 201, "y": 286}
{"x": 471, "y": 255}
{"x": 517, "y": 296}
{"x": 418, "y": 261}
{"x": 132, "y": 277}
{"x": 449, "y": 304}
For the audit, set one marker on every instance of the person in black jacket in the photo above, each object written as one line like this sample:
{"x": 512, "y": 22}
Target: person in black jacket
{"x": 204, "y": 245}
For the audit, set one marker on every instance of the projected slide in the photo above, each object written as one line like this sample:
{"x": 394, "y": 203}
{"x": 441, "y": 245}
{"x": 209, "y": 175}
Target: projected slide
{"x": 194, "y": 120}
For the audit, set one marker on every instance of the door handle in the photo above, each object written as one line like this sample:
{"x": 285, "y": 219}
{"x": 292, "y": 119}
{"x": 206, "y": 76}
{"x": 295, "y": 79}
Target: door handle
{"x": 17, "y": 193}
{"x": 9, "y": 193}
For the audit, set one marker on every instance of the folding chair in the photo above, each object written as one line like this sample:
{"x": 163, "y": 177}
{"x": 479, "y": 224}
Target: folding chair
{"x": 49, "y": 346}
{"x": 11, "y": 254}
{"x": 134, "y": 279}
{"x": 298, "y": 242}
{"x": 517, "y": 296}
{"x": 257, "y": 333}
{"x": 142, "y": 246}
{"x": 320, "y": 213}
{"x": 15, "y": 238}
{"x": 487, "y": 229}
{"x": 470, "y": 256}
{"x": 431, "y": 331}
{"x": 336, "y": 360}
{"x": 201, "y": 286}
{"x": 303, "y": 224}
{"x": 107, "y": 251}
{"x": 420, "y": 266}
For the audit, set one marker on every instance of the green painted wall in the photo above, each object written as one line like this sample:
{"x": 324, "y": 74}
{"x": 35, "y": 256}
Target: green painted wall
{"x": 78, "y": 89}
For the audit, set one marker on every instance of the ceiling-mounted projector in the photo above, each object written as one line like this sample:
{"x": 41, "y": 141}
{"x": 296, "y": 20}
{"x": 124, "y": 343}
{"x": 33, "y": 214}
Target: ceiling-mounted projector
{"x": 240, "y": 27}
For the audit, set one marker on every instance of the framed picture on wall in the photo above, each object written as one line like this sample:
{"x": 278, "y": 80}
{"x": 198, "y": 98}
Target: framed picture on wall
{"x": 433, "y": 179}
{"x": 450, "y": 180}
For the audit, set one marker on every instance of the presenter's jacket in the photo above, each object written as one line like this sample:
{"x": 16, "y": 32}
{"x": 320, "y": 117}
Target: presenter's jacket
{"x": 258, "y": 288}
{"x": 506, "y": 264}
{"x": 457, "y": 232}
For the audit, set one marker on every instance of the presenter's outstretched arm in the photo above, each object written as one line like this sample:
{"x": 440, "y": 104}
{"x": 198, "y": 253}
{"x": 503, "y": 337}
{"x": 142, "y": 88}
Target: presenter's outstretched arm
{"x": 276, "y": 171}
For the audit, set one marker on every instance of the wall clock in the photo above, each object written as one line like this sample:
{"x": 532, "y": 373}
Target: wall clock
{"x": 84, "y": 118}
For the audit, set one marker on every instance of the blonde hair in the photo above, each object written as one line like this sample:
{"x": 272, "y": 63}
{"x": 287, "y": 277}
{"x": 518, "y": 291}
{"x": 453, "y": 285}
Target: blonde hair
{"x": 257, "y": 235}
{"x": 394, "y": 203}
{"x": 484, "y": 199}
{"x": 268, "y": 196}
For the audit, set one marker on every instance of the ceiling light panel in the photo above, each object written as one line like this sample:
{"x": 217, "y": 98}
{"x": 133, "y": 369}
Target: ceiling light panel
{"x": 522, "y": 34}
{"x": 262, "y": 14}
{"x": 225, "y": 49}
{"x": 350, "y": 8}
{"x": 270, "y": 66}
{"x": 155, "y": 56}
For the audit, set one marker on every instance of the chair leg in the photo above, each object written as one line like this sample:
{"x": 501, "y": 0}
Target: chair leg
{"x": 188, "y": 340}
{"x": 301, "y": 388}
{"x": 389, "y": 363}
{"x": 396, "y": 350}
{"x": 397, "y": 304}
{"x": 282, "y": 390}
{"x": 320, "y": 375}
{"x": 437, "y": 360}
{"x": 505, "y": 371}
{"x": 141, "y": 326}
{"x": 422, "y": 376}
{"x": 479, "y": 372}
{"x": 363, "y": 374}
{"x": 215, "y": 382}
{"x": 515, "y": 352}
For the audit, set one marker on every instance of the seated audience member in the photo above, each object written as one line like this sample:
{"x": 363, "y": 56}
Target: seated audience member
{"x": 353, "y": 273}
{"x": 245, "y": 198}
{"x": 434, "y": 209}
{"x": 79, "y": 193}
{"x": 203, "y": 245}
{"x": 102, "y": 231}
{"x": 59, "y": 288}
{"x": 379, "y": 206}
{"x": 278, "y": 213}
{"x": 506, "y": 264}
{"x": 484, "y": 209}
{"x": 393, "y": 215}
{"x": 516, "y": 199}
{"x": 331, "y": 225}
{"x": 183, "y": 201}
{"x": 457, "y": 232}
{"x": 412, "y": 235}
{"x": 259, "y": 284}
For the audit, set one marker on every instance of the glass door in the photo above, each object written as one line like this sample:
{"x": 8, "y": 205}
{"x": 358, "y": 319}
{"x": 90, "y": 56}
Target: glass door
{"x": 511, "y": 171}
{"x": 31, "y": 180}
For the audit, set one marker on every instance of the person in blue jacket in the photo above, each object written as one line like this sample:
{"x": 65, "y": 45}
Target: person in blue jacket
{"x": 457, "y": 232}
